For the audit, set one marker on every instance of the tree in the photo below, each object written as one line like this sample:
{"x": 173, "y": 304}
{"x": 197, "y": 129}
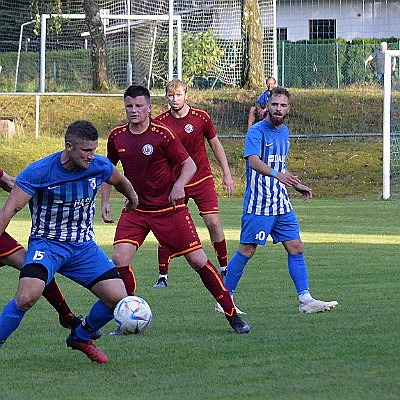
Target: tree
{"x": 96, "y": 30}
{"x": 253, "y": 71}
{"x": 99, "y": 48}
{"x": 201, "y": 55}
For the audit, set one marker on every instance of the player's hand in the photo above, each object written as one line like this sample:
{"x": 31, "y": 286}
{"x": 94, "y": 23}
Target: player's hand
{"x": 105, "y": 212}
{"x": 177, "y": 195}
{"x": 305, "y": 191}
{"x": 7, "y": 182}
{"x": 288, "y": 179}
{"x": 130, "y": 205}
{"x": 227, "y": 184}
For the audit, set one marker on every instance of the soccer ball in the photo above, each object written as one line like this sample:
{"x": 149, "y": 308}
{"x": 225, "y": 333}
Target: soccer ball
{"x": 132, "y": 314}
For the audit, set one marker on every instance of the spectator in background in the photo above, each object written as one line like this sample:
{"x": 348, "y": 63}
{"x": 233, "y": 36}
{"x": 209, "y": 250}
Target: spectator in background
{"x": 379, "y": 56}
{"x": 258, "y": 110}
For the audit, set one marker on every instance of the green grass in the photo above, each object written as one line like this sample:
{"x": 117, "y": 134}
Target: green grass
{"x": 190, "y": 352}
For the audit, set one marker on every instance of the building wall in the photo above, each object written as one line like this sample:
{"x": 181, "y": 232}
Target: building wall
{"x": 354, "y": 19}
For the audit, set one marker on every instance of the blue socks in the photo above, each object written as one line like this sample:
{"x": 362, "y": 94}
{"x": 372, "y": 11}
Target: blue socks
{"x": 10, "y": 319}
{"x": 298, "y": 272}
{"x": 98, "y": 316}
{"x": 235, "y": 271}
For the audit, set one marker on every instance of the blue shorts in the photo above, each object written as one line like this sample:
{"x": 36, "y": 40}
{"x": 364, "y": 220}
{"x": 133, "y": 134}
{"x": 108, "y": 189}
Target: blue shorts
{"x": 81, "y": 262}
{"x": 256, "y": 228}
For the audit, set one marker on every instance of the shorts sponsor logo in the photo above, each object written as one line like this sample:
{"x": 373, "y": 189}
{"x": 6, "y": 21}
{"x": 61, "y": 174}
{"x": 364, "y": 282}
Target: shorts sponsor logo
{"x": 189, "y": 128}
{"x": 147, "y": 149}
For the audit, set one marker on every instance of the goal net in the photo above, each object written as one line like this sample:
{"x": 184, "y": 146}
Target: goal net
{"x": 391, "y": 129}
{"x": 139, "y": 47}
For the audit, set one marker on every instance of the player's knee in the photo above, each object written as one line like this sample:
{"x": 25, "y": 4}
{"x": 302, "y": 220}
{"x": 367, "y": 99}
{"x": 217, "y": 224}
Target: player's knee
{"x": 197, "y": 259}
{"x": 212, "y": 222}
{"x": 294, "y": 247}
{"x": 122, "y": 257}
{"x": 28, "y": 294}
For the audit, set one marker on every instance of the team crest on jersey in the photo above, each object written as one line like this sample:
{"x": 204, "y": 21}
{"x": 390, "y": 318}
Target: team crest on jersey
{"x": 147, "y": 149}
{"x": 92, "y": 183}
{"x": 189, "y": 128}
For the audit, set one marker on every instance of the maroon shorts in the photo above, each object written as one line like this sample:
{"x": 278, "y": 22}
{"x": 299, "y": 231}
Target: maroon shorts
{"x": 173, "y": 228}
{"x": 204, "y": 195}
{"x": 8, "y": 245}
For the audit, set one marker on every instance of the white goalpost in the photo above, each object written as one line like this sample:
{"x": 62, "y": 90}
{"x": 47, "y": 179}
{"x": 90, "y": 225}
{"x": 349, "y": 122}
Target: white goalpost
{"x": 389, "y": 126}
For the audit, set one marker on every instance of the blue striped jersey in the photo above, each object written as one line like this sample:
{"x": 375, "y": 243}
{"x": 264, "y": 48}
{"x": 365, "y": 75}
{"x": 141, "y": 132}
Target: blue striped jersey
{"x": 63, "y": 202}
{"x": 265, "y": 195}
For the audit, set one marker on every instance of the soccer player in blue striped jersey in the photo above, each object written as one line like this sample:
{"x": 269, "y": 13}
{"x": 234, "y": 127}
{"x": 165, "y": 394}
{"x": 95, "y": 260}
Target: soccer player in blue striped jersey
{"x": 61, "y": 190}
{"x": 267, "y": 209}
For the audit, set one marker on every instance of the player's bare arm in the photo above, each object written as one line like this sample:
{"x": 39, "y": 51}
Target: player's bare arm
{"x": 122, "y": 185}
{"x": 105, "y": 206}
{"x": 285, "y": 177}
{"x": 15, "y": 202}
{"x": 7, "y": 182}
{"x": 219, "y": 153}
{"x": 260, "y": 111}
{"x": 187, "y": 172}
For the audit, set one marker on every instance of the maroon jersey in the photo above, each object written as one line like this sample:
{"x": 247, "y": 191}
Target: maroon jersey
{"x": 192, "y": 130}
{"x": 148, "y": 160}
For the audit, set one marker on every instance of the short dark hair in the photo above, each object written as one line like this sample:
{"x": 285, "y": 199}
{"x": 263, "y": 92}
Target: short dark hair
{"x": 280, "y": 90}
{"x": 81, "y": 130}
{"x": 137, "y": 90}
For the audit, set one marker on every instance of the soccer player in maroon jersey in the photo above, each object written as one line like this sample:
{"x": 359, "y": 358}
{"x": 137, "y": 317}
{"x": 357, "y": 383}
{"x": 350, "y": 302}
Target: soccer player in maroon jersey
{"x": 193, "y": 126}
{"x": 13, "y": 254}
{"x": 149, "y": 152}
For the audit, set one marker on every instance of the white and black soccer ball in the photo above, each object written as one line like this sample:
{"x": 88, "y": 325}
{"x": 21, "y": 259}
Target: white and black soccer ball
{"x": 132, "y": 314}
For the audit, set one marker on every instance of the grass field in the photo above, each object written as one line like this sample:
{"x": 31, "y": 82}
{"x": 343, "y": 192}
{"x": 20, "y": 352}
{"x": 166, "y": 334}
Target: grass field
{"x": 190, "y": 352}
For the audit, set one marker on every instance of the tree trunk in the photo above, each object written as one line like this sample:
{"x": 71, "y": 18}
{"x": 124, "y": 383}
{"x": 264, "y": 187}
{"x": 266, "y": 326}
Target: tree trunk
{"x": 99, "y": 49}
{"x": 253, "y": 71}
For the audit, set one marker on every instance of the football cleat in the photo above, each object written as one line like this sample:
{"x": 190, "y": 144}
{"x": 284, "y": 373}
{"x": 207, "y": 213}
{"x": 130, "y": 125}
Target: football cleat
{"x": 92, "y": 352}
{"x": 117, "y": 332}
{"x": 316, "y": 306}
{"x": 161, "y": 282}
{"x": 238, "y": 325}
